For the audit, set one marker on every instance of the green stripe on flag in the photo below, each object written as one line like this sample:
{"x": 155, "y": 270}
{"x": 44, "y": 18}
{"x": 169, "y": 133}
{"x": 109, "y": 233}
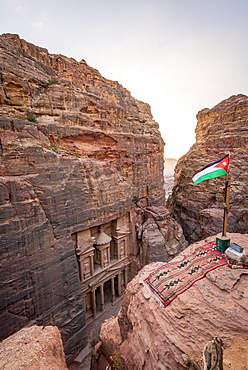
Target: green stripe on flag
{"x": 209, "y": 175}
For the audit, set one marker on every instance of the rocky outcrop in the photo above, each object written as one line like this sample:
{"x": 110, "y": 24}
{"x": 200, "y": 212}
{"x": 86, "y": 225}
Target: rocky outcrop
{"x": 199, "y": 209}
{"x": 162, "y": 236}
{"x": 33, "y": 348}
{"x": 146, "y": 335}
{"x": 77, "y": 152}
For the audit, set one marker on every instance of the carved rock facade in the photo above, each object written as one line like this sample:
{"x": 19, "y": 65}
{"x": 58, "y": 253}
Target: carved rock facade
{"x": 81, "y": 184}
{"x": 199, "y": 209}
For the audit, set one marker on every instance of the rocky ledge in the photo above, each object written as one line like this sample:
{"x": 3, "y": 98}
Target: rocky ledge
{"x": 147, "y": 336}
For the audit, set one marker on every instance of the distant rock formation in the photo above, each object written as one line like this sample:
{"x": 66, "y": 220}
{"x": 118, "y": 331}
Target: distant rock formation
{"x": 33, "y": 348}
{"x": 147, "y": 336}
{"x": 79, "y": 156}
{"x": 199, "y": 209}
{"x": 169, "y": 167}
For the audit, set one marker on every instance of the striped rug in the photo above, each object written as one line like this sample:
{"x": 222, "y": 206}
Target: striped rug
{"x": 173, "y": 278}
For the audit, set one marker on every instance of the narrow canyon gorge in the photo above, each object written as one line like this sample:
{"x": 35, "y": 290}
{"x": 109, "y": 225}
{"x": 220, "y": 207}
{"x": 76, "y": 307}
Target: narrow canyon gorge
{"x": 82, "y": 196}
{"x": 87, "y": 213}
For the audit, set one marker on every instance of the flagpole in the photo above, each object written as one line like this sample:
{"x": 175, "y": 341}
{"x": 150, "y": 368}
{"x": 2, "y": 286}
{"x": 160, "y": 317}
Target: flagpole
{"x": 226, "y": 204}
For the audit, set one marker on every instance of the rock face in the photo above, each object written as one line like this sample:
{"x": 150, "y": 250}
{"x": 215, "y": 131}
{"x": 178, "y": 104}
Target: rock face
{"x": 77, "y": 152}
{"x": 162, "y": 237}
{"x": 146, "y": 335}
{"x": 33, "y": 348}
{"x": 199, "y": 209}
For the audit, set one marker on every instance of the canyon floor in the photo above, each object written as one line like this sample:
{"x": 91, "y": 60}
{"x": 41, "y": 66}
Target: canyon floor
{"x": 83, "y": 360}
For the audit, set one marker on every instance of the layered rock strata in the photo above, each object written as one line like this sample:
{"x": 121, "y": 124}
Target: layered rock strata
{"x": 146, "y": 335}
{"x": 199, "y": 209}
{"x": 77, "y": 152}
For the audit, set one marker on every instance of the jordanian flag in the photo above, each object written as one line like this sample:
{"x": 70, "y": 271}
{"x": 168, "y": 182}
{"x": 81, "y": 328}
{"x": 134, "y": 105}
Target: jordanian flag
{"x": 213, "y": 170}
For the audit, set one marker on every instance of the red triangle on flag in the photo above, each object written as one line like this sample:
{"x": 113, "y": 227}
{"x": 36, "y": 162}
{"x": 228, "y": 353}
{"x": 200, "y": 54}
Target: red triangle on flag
{"x": 224, "y": 163}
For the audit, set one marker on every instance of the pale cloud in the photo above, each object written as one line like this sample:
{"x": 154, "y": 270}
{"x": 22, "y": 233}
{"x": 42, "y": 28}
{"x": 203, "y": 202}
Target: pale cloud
{"x": 16, "y": 6}
{"x": 19, "y": 9}
{"x": 38, "y": 24}
{"x": 42, "y": 19}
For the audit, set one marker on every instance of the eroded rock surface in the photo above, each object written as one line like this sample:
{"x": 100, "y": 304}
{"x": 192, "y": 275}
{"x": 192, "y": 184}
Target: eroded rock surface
{"x": 77, "y": 152}
{"x": 33, "y": 348}
{"x": 199, "y": 209}
{"x": 147, "y": 336}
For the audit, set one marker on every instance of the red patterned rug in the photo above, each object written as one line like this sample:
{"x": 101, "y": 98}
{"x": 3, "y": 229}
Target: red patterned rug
{"x": 174, "y": 278}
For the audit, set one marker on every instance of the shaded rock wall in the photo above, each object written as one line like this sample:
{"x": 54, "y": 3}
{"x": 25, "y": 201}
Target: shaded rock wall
{"x": 199, "y": 209}
{"x": 76, "y": 150}
{"x": 146, "y": 335}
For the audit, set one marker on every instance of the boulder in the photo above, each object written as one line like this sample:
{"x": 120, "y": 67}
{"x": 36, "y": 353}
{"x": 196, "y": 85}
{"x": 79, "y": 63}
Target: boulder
{"x": 33, "y": 348}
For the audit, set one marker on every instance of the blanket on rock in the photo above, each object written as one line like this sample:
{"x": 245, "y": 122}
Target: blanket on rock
{"x": 173, "y": 278}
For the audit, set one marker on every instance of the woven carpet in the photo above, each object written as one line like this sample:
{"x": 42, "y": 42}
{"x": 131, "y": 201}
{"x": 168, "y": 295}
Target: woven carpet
{"x": 174, "y": 278}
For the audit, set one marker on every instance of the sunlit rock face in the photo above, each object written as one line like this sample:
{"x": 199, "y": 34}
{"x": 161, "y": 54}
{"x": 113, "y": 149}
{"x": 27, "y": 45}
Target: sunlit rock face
{"x": 199, "y": 208}
{"x": 77, "y": 152}
{"x": 35, "y": 347}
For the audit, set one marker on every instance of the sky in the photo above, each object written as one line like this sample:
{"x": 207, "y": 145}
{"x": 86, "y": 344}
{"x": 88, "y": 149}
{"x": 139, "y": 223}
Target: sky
{"x": 179, "y": 56}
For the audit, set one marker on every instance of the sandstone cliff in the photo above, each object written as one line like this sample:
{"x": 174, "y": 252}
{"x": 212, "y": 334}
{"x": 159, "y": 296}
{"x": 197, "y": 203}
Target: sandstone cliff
{"x": 77, "y": 152}
{"x": 146, "y": 335}
{"x": 199, "y": 209}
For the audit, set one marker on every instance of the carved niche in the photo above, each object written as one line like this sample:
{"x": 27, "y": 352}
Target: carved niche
{"x": 102, "y": 245}
{"x": 120, "y": 238}
{"x": 85, "y": 254}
